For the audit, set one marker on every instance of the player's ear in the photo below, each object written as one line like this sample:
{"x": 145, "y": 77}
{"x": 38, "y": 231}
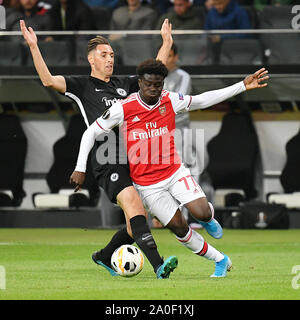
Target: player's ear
{"x": 91, "y": 58}
{"x": 140, "y": 82}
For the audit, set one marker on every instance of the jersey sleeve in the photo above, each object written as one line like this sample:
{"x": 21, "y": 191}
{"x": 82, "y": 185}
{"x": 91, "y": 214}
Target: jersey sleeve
{"x": 180, "y": 102}
{"x": 109, "y": 119}
{"x": 74, "y": 85}
{"x": 112, "y": 117}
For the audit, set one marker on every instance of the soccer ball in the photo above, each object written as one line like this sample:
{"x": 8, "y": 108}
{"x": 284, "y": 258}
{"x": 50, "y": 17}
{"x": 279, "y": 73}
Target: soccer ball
{"x": 127, "y": 261}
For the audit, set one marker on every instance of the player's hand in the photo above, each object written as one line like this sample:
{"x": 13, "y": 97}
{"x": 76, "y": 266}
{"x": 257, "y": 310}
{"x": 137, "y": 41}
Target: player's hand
{"x": 256, "y": 80}
{"x": 77, "y": 179}
{"x": 28, "y": 34}
{"x": 166, "y": 31}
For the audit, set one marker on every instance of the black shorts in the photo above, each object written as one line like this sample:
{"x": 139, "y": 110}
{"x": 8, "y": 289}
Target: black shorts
{"x": 114, "y": 179}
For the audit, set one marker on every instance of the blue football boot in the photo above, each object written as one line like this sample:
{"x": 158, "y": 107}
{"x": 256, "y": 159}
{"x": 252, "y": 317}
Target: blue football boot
{"x": 213, "y": 228}
{"x": 222, "y": 267}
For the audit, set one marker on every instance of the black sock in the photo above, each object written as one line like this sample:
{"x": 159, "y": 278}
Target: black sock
{"x": 118, "y": 239}
{"x": 144, "y": 239}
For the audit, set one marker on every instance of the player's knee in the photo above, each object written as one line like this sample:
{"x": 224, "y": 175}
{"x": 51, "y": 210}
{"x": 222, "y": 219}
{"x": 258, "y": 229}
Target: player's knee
{"x": 130, "y": 201}
{"x": 178, "y": 226}
{"x": 207, "y": 214}
{"x": 202, "y": 211}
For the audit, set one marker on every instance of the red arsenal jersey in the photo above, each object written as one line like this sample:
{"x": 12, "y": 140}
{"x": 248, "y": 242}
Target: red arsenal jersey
{"x": 149, "y": 133}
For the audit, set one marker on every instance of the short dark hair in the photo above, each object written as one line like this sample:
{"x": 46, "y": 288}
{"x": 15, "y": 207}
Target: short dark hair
{"x": 93, "y": 43}
{"x": 152, "y": 66}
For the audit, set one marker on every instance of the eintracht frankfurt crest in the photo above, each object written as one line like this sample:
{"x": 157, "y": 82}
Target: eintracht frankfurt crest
{"x": 162, "y": 110}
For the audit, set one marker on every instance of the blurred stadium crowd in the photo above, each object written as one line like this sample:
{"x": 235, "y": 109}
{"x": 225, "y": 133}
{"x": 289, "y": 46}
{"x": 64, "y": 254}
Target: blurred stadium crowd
{"x": 138, "y": 15}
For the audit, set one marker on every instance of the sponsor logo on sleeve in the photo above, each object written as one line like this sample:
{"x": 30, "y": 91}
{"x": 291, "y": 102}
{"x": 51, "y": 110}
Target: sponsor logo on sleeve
{"x": 106, "y": 115}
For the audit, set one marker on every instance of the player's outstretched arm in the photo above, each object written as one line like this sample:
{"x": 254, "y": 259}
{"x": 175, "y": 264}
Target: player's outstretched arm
{"x": 166, "y": 34}
{"x": 56, "y": 82}
{"x": 87, "y": 142}
{"x": 110, "y": 118}
{"x": 210, "y": 98}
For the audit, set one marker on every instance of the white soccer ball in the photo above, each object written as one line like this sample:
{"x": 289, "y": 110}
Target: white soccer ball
{"x": 127, "y": 261}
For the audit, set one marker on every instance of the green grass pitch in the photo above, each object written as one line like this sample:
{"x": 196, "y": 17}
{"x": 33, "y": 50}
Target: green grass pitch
{"x": 56, "y": 264}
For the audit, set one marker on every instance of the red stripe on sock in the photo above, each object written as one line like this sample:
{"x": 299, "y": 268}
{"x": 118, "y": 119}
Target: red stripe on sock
{"x": 188, "y": 238}
{"x": 204, "y": 249}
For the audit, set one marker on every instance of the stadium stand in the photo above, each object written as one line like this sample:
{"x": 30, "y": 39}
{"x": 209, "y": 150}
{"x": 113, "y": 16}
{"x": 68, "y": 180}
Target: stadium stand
{"x": 192, "y": 50}
{"x": 279, "y": 48}
{"x": 290, "y": 176}
{"x": 81, "y": 53}
{"x": 65, "y": 156}
{"x": 55, "y": 53}
{"x": 233, "y": 155}
{"x": 11, "y": 53}
{"x": 134, "y": 52}
{"x": 102, "y": 17}
{"x": 13, "y": 144}
{"x": 252, "y": 13}
{"x": 241, "y": 51}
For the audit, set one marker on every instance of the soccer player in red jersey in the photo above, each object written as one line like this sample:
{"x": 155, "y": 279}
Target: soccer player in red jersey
{"x": 147, "y": 120}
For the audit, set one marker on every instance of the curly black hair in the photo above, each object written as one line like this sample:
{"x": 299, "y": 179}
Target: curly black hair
{"x": 152, "y": 66}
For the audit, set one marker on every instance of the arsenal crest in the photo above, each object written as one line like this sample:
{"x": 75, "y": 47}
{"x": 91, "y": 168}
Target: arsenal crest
{"x": 162, "y": 110}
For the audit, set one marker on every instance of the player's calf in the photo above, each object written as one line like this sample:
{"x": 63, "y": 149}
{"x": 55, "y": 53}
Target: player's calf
{"x": 196, "y": 243}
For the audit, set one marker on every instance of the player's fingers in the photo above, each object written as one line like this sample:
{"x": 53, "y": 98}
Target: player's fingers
{"x": 22, "y": 26}
{"x": 30, "y": 30}
{"x": 261, "y": 85}
{"x": 259, "y": 71}
{"x": 263, "y": 73}
{"x": 264, "y": 78}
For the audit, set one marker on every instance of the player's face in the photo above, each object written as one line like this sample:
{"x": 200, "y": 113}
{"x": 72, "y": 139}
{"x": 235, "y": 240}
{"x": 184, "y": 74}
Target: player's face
{"x": 102, "y": 60}
{"x": 151, "y": 86}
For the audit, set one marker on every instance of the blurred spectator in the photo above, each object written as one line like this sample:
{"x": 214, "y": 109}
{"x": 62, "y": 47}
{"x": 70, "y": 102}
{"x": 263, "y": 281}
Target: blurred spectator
{"x": 72, "y": 15}
{"x": 34, "y": 16}
{"x": 225, "y": 15}
{"x": 10, "y": 3}
{"x": 209, "y": 4}
{"x": 133, "y": 16}
{"x": 182, "y": 16}
{"x": 111, "y": 4}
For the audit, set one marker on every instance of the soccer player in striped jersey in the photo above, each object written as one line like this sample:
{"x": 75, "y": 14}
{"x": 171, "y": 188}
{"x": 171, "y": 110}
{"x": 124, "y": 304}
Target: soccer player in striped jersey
{"x": 147, "y": 120}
